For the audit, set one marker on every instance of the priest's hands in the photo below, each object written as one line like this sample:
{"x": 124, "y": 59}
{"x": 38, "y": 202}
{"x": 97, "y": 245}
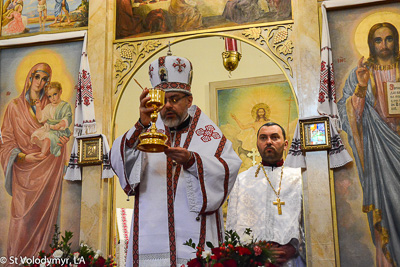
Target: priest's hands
{"x": 179, "y": 154}
{"x": 145, "y": 112}
{"x": 282, "y": 253}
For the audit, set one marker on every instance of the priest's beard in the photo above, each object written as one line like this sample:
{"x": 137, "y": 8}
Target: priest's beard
{"x": 174, "y": 122}
{"x": 271, "y": 157}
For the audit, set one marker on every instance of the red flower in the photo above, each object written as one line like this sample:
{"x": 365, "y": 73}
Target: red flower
{"x": 230, "y": 263}
{"x": 194, "y": 263}
{"x": 100, "y": 262}
{"x": 218, "y": 264}
{"x": 217, "y": 253}
{"x": 83, "y": 265}
{"x": 257, "y": 250}
{"x": 243, "y": 251}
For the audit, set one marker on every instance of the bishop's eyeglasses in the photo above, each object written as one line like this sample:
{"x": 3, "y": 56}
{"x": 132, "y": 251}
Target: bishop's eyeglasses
{"x": 174, "y": 99}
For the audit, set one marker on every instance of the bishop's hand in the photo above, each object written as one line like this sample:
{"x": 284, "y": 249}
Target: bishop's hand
{"x": 145, "y": 111}
{"x": 179, "y": 154}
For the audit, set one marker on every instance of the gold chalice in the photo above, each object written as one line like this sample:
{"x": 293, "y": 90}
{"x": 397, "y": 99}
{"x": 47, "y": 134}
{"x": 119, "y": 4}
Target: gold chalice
{"x": 153, "y": 141}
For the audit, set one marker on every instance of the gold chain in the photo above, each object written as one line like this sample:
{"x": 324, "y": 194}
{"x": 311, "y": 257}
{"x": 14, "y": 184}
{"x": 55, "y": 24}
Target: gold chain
{"x": 280, "y": 182}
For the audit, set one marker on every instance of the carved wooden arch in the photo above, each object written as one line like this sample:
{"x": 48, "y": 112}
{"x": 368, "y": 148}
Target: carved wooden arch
{"x": 273, "y": 40}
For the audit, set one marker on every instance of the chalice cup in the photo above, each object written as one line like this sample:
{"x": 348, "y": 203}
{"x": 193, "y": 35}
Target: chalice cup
{"x": 153, "y": 141}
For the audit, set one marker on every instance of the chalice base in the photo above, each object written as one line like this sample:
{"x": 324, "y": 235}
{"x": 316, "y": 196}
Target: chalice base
{"x": 152, "y": 142}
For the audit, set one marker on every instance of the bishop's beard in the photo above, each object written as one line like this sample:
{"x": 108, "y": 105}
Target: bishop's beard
{"x": 174, "y": 122}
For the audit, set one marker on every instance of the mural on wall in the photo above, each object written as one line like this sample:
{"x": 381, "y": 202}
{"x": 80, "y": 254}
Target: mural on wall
{"x": 36, "y": 115}
{"x": 367, "y": 191}
{"x": 147, "y": 18}
{"x": 27, "y": 17}
{"x": 243, "y": 108}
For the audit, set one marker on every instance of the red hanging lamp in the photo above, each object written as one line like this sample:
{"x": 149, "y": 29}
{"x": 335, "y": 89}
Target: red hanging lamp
{"x": 231, "y": 56}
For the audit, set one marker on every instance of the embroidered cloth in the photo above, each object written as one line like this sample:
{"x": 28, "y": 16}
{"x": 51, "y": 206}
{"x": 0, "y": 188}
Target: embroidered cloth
{"x": 327, "y": 91}
{"x": 85, "y": 122}
{"x": 338, "y": 155}
{"x": 74, "y": 170}
{"x": 124, "y": 220}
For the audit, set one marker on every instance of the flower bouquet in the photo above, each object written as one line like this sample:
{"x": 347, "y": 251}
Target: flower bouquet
{"x": 61, "y": 254}
{"x": 233, "y": 252}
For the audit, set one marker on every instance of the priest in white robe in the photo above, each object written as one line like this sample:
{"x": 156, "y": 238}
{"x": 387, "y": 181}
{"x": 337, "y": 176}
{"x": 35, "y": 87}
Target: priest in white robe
{"x": 178, "y": 193}
{"x": 267, "y": 198}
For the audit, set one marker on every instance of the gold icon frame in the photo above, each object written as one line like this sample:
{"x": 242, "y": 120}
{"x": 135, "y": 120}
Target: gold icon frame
{"x": 90, "y": 151}
{"x": 307, "y": 144}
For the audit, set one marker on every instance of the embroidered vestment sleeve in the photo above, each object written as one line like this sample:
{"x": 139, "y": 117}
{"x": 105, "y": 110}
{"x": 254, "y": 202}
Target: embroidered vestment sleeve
{"x": 126, "y": 160}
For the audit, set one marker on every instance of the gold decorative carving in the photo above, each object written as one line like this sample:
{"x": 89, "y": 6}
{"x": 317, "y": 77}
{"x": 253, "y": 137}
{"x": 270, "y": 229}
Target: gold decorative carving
{"x": 277, "y": 40}
{"x": 252, "y": 33}
{"x": 129, "y": 55}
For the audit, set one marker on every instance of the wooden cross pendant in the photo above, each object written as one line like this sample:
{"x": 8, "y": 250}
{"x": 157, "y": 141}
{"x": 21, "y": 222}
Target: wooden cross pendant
{"x": 278, "y": 203}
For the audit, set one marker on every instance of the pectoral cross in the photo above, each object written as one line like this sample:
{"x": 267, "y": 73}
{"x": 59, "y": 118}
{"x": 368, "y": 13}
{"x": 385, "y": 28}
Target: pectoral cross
{"x": 278, "y": 203}
{"x": 254, "y": 153}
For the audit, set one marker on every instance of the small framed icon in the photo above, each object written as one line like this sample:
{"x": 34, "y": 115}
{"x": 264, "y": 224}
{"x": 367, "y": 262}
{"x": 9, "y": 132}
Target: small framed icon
{"x": 315, "y": 134}
{"x": 90, "y": 151}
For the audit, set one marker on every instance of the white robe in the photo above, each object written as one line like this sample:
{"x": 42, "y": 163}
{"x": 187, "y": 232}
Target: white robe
{"x": 251, "y": 206}
{"x": 200, "y": 191}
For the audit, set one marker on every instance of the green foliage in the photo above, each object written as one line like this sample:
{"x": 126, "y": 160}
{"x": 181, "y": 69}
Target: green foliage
{"x": 85, "y": 255}
{"x": 56, "y": 238}
{"x": 190, "y": 243}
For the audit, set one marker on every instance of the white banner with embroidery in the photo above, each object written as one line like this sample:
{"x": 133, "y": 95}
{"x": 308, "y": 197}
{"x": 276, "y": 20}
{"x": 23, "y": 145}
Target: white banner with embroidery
{"x": 85, "y": 122}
